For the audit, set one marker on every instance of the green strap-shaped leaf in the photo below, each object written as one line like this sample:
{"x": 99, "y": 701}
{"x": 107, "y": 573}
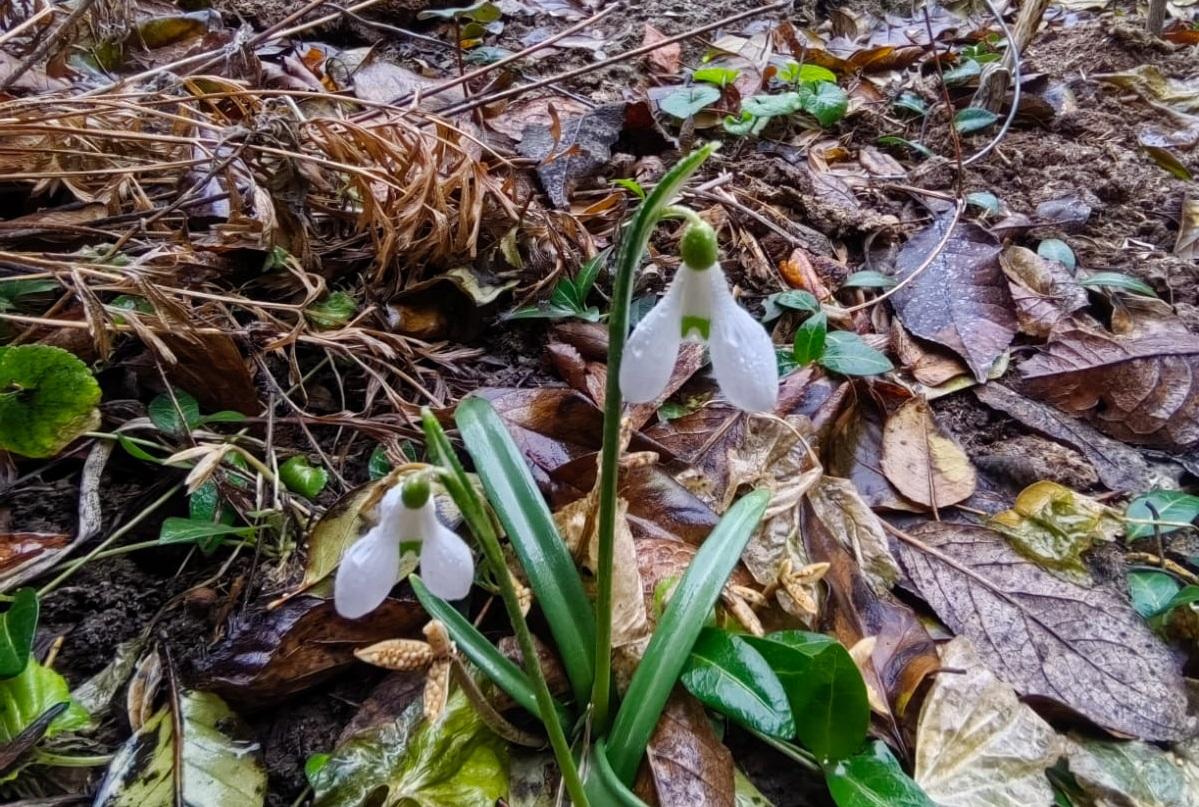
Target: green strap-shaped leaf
{"x": 530, "y": 526}
{"x": 17, "y": 626}
{"x": 677, "y": 631}
{"x": 604, "y": 786}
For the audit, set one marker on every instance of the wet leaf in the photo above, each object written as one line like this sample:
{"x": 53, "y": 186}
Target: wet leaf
{"x": 840, "y": 508}
{"x": 583, "y": 146}
{"x": 824, "y": 687}
{"x": 922, "y": 460}
{"x": 1082, "y": 647}
{"x": 961, "y": 300}
{"x": 1054, "y": 526}
{"x": 689, "y": 101}
{"x": 727, "y": 674}
{"x": 454, "y": 759}
{"x": 1151, "y": 592}
{"x": 337, "y": 529}
{"x": 171, "y": 420}
{"x": 1127, "y": 774}
{"x": 809, "y": 339}
{"x": 213, "y": 762}
{"x": 47, "y": 399}
{"x": 976, "y": 743}
{"x": 1118, "y": 466}
{"x": 1044, "y": 291}
{"x": 27, "y": 696}
{"x": 855, "y": 452}
{"x": 17, "y": 627}
{"x": 1145, "y": 386}
{"x": 302, "y": 478}
{"x": 1055, "y": 249}
{"x": 270, "y": 654}
{"x": 846, "y": 353}
{"x": 1171, "y": 505}
{"x": 974, "y": 119}
{"x": 687, "y": 764}
{"x": 874, "y": 778}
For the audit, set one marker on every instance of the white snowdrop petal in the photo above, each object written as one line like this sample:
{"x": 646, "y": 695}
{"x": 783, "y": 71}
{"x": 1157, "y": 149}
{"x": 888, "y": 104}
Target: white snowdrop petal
{"x": 743, "y": 358}
{"x": 651, "y": 351}
{"x": 446, "y": 564}
{"x": 367, "y": 573}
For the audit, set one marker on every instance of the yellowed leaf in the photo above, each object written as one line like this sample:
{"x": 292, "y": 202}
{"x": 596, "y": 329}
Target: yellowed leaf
{"x": 1187, "y": 246}
{"x": 922, "y": 461}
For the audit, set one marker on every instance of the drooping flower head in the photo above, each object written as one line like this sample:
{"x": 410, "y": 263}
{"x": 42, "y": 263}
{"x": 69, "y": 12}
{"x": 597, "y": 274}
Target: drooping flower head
{"x": 699, "y": 306}
{"x": 371, "y": 567}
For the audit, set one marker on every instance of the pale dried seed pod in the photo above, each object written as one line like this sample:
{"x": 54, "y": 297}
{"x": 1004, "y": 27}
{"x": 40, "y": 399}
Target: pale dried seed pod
{"x": 397, "y": 654}
{"x": 437, "y": 688}
{"x": 741, "y": 611}
{"x": 438, "y": 639}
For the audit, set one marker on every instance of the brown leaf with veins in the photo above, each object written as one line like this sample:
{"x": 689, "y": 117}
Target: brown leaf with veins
{"x": 855, "y": 451}
{"x": 960, "y": 300}
{"x": 836, "y": 503}
{"x": 667, "y": 59}
{"x": 1045, "y": 293}
{"x": 1187, "y": 245}
{"x": 922, "y": 460}
{"x": 685, "y": 764}
{"x": 1084, "y": 648}
{"x": 1142, "y": 390}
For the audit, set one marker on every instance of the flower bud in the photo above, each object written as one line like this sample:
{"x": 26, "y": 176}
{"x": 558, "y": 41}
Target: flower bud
{"x": 415, "y": 492}
{"x": 698, "y": 245}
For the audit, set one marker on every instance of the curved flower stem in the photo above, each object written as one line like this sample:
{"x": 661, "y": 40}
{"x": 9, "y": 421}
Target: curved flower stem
{"x": 633, "y": 244}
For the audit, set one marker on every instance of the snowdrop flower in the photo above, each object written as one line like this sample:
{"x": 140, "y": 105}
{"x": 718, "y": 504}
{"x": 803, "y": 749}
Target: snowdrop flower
{"x": 371, "y": 566}
{"x": 699, "y": 305}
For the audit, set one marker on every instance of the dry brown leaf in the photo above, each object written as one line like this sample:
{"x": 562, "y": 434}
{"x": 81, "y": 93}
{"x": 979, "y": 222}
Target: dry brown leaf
{"x": 1084, "y": 648}
{"x": 1187, "y": 245}
{"x": 836, "y": 503}
{"x": 525, "y": 112}
{"x": 930, "y": 366}
{"x": 855, "y": 452}
{"x": 922, "y": 461}
{"x": 685, "y": 763}
{"x": 667, "y": 59}
{"x": 1045, "y": 293}
{"x": 584, "y": 145}
{"x": 976, "y": 743}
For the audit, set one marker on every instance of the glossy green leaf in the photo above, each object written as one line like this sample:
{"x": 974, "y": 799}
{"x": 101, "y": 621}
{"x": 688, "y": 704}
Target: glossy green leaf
{"x": 188, "y": 531}
{"x": 171, "y": 420}
{"x": 689, "y": 101}
{"x": 334, "y": 311}
{"x": 1171, "y": 505}
{"x": 825, "y": 689}
{"x": 1151, "y": 591}
{"x": 302, "y": 478}
{"x": 795, "y": 73}
{"x": 604, "y": 787}
{"x": 1117, "y": 280}
{"x": 27, "y": 696}
{"x": 17, "y": 627}
{"x": 530, "y": 527}
{"x": 677, "y": 631}
{"x": 770, "y": 106}
{"x": 846, "y": 353}
{"x": 720, "y": 76}
{"x": 1055, "y": 249}
{"x": 824, "y": 101}
{"x": 874, "y": 779}
{"x": 378, "y": 466}
{"x": 47, "y": 399}
{"x": 810, "y": 339}
{"x": 985, "y": 200}
{"x": 974, "y": 119}
{"x": 778, "y": 302}
{"x": 136, "y": 451}
{"x": 868, "y": 279}
{"x": 727, "y": 674}
{"x": 204, "y": 755}
{"x": 911, "y": 102}
{"x": 453, "y": 760}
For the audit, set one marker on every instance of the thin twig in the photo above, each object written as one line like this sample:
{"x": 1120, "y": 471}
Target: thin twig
{"x": 47, "y": 42}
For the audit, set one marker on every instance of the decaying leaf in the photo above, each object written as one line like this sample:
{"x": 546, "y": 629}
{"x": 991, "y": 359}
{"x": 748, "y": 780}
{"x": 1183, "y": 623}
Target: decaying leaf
{"x": 1044, "y": 291}
{"x": 1054, "y": 526}
{"x": 686, "y": 764}
{"x": 855, "y": 450}
{"x": 1187, "y": 245}
{"x": 666, "y": 59}
{"x": 1081, "y": 647}
{"x": 1128, "y": 774}
{"x": 1118, "y": 466}
{"x": 193, "y": 752}
{"x": 837, "y": 504}
{"x": 1149, "y": 81}
{"x": 582, "y": 146}
{"x": 976, "y": 743}
{"x": 922, "y": 460}
{"x": 1142, "y": 390}
{"x": 961, "y": 300}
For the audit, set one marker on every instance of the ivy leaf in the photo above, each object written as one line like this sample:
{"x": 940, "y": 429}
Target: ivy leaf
{"x": 873, "y": 779}
{"x": 847, "y": 354}
{"x": 810, "y": 339}
{"x": 332, "y": 312}
{"x": 825, "y": 689}
{"x": 1171, "y": 505}
{"x": 169, "y": 420}
{"x": 868, "y": 279}
{"x": 26, "y": 697}
{"x": 688, "y": 101}
{"x": 302, "y": 478}
{"x": 1055, "y": 249}
{"x": 727, "y": 674}
{"x": 792, "y": 300}
{"x": 1151, "y": 591}
{"x": 974, "y": 119}
{"x": 47, "y": 399}
{"x": 1117, "y": 280}
{"x": 825, "y": 101}
{"x": 17, "y": 627}
{"x": 720, "y": 76}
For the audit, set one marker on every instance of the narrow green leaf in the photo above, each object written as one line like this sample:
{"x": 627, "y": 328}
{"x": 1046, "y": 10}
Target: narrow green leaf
{"x": 604, "y": 787}
{"x": 824, "y": 101}
{"x": 677, "y": 631}
{"x": 688, "y": 101}
{"x": 825, "y": 689}
{"x": 974, "y": 119}
{"x": 178, "y": 422}
{"x": 1171, "y": 505}
{"x": 919, "y": 148}
{"x": 847, "y": 354}
{"x": 1151, "y": 591}
{"x": 632, "y": 186}
{"x": 530, "y": 527}
{"x": 588, "y": 273}
{"x": 17, "y": 627}
{"x": 868, "y": 279}
{"x": 1055, "y": 249}
{"x": 720, "y": 76}
{"x": 186, "y": 531}
{"x": 1117, "y": 280}
{"x": 727, "y": 674}
{"x": 302, "y": 478}
{"x": 136, "y": 451}
{"x": 810, "y": 339}
{"x": 874, "y": 779}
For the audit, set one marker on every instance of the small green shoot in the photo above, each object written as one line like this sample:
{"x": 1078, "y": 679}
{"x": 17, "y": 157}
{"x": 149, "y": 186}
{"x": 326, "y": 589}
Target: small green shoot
{"x": 720, "y": 76}
{"x": 569, "y": 298}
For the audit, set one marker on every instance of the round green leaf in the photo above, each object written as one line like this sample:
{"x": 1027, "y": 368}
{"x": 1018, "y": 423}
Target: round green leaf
{"x": 1151, "y": 591}
{"x": 824, "y": 101}
{"x": 302, "y": 478}
{"x": 688, "y": 101}
{"x": 47, "y": 399}
{"x": 1171, "y": 505}
{"x": 727, "y": 674}
{"x": 874, "y": 779}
